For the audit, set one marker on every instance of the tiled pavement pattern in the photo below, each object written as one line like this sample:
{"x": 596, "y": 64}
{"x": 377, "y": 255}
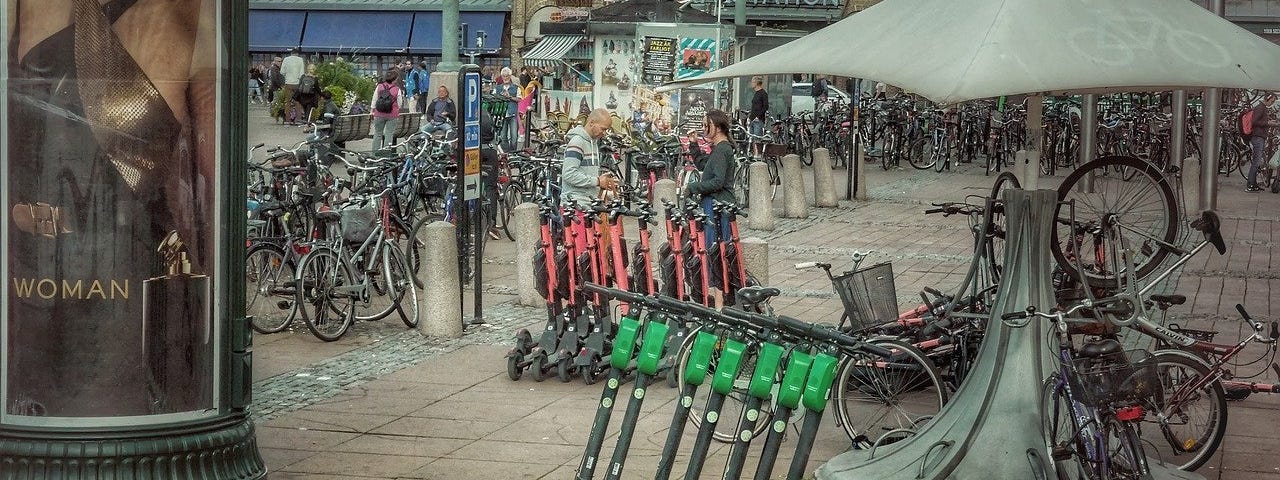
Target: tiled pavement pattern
{"x": 387, "y": 403}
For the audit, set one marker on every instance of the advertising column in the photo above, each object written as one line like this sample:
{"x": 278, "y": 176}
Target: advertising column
{"x": 119, "y": 320}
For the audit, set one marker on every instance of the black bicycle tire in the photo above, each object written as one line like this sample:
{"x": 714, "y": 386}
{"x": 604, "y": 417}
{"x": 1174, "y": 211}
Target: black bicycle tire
{"x": 322, "y": 305}
{"x": 512, "y": 197}
{"x": 848, "y": 419}
{"x": 260, "y": 323}
{"x": 1051, "y": 401}
{"x": 1169, "y": 235}
{"x": 1003, "y": 180}
{"x": 1215, "y": 394}
{"x": 395, "y": 262}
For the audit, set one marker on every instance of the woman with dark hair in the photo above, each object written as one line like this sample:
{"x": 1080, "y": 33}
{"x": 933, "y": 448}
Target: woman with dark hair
{"x": 716, "y": 185}
{"x": 384, "y": 128}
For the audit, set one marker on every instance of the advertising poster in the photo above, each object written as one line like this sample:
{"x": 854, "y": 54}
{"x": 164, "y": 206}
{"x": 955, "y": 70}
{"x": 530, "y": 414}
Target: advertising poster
{"x": 652, "y": 111}
{"x": 696, "y": 56}
{"x": 694, "y": 103}
{"x": 619, "y": 73}
{"x": 659, "y": 60}
{"x": 110, "y": 224}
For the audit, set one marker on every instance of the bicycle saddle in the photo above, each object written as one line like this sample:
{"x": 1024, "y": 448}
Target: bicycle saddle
{"x": 756, "y": 295}
{"x": 328, "y": 216}
{"x": 1165, "y": 300}
{"x": 656, "y": 165}
{"x": 1209, "y": 224}
{"x": 1100, "y": 348}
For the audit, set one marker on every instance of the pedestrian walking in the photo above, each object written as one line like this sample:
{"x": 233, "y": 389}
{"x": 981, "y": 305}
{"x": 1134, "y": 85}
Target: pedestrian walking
{"x": 292, "y": 68}
{"x": 1255, "y": 129}
{"x": 275, "y": 80}
{"x": 386, "y": 109}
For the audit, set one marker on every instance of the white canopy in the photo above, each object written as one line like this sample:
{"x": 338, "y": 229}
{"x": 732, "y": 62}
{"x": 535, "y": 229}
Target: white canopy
{"x": 956, "y": 50}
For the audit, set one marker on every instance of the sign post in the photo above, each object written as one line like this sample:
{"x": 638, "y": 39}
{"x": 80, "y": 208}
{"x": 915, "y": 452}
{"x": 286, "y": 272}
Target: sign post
{"x": 469, "y": 178}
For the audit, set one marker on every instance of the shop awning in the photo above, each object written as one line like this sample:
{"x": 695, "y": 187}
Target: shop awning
{"x": 426, "y": 31}
{"x": 275, "y": 30}
{"x": 551, "y": 49}
{"x": 362, "y": 32}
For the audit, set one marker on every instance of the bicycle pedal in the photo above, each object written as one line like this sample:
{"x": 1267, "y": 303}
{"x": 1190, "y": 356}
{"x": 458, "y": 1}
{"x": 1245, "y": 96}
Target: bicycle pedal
{"x": 1061, "y": 453}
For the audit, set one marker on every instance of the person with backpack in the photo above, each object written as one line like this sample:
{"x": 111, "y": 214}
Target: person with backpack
{"x": 386, "y": 109}
{"x": 716, "y": 185}
{"x": 1253, "y": 125}
{"x": 308, "y": 94}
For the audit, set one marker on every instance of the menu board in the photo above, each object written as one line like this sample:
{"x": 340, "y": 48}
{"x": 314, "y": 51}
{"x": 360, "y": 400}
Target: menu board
{"x": 659, "y": 59}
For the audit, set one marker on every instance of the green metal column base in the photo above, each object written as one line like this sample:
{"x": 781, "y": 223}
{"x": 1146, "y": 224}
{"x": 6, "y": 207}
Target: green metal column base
{"x": 225, "y": 449}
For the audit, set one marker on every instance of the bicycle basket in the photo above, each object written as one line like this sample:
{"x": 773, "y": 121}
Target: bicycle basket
{"x": 358, "y": 221}
{"x": 869, "y": 295}
{"x": 1117, "y": 378}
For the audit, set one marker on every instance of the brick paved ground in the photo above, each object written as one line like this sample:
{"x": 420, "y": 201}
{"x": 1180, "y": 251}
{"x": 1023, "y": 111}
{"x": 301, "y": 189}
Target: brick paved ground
{"x": 386, "y": 403}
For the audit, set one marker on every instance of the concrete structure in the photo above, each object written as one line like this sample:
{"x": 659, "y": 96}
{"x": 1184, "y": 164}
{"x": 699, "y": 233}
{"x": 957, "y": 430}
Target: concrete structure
{"x": 761, "y": 200}
{"x": 755, "y": 255}
{"x": 795, "y": 203}
{"x": 824, "y": 185}
{"x": 442, "y": 316}
{"x": 526, "y": 226}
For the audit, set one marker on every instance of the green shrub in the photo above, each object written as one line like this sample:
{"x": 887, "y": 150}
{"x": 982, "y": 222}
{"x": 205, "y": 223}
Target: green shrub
{"x": 338, "y": 73}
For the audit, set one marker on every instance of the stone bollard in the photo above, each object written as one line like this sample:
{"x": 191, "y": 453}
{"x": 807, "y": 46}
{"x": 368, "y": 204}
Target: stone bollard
{"x": 824, "y": 185}
{"x": 1191, "y": 186}
{"x": 664, "y": 189}
{"x": 755, "y": 256}
{"x": 761, "y": 200}
{"x": 527, "y": 227}
{"x": 794, "y": 202}
{"x": 441, "y": 291}
{"x": 860, "y": 189}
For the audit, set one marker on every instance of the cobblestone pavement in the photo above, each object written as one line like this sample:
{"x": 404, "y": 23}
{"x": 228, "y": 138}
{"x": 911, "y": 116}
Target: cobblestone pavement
{"x": 386, "y": 402}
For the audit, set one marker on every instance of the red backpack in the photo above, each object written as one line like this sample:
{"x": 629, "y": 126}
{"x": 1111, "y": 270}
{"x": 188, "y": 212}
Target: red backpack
{"x": 1246, "y": 122}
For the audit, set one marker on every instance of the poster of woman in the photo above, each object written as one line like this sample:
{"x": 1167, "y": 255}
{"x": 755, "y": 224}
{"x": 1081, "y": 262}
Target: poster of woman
{"x": 110, "y": 214}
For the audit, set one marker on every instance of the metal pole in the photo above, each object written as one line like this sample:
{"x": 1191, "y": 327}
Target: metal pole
{"x": 1178, "y": 129}
{"x": 1088, "y": 136}
{"x": 449, "y": 25}
{"x": 850, "y": 154}
{"x": 1210, "y": 135}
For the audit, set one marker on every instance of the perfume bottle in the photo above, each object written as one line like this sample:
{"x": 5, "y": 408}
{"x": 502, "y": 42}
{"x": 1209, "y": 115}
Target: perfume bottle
{"x": 177, "y": 334}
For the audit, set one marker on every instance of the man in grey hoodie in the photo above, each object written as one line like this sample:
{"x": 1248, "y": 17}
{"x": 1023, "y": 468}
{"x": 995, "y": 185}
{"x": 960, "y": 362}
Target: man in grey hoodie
{"x": 581, "y": 176}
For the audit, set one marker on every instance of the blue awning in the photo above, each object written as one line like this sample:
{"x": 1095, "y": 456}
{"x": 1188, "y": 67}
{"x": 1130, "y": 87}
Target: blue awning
{"x": 275, "y": 30}
{"x": 426, "y": 31}
{"x": 367, "y": 32}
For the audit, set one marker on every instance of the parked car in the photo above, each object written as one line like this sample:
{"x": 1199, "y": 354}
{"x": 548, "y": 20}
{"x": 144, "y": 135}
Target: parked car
{"x": 802, "y": 96}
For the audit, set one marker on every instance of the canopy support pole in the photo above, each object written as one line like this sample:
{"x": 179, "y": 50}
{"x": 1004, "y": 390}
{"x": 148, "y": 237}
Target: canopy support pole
{"x": 1088, "y": 137}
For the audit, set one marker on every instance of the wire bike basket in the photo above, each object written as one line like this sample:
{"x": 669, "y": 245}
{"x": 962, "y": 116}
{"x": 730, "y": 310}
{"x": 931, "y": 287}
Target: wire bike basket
{"x": 868, "y": 295}
{"x": 1121, "y": 377}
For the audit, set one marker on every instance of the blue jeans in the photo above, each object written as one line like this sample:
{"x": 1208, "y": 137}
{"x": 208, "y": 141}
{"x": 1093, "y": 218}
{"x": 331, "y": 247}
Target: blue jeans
{"x": 714, "y": 232}
{"x": 757, "y": 127}
{"x": 1257, "y": 150}
{"x": 431, "y": 126}
{"x": 384, "y": 131}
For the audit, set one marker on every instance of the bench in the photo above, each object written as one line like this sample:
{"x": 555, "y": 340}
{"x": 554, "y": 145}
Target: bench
{"x": 347, "y": 128}
{"x": 408, "y": 124}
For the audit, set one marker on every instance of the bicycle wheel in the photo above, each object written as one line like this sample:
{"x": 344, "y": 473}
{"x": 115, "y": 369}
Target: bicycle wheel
{"x": 1004, "y": 181}
{"x": 325, "y": 309}
{"x": 1060, "y": 429}
{"x": 269, "y": 288}
{"x": 804, "y": 147}
{"x": 889, "y": 152}
{"x": 1195, "y": 420}
{"x": 731, "y": 413}
{"x": 876, "y": 395}
{"x": 1124, "y": 450}
{"x": 1142, "y": 212}
{"x": 512, "y": 197}
{"x": 742, "y": 183}
{"x": 924, "y": 153}
{"x": 400, "y": 285}
{"x": 381, "y": 300}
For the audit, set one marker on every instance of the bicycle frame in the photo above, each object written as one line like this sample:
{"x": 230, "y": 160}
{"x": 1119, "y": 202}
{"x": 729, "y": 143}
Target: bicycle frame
{"x": 676, "y": 244}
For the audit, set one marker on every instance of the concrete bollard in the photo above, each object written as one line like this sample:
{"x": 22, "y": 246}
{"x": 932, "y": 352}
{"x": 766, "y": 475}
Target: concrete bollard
{"x": 755, "y": 256}
{"x": 441, "y": 292}
{"x": 794, "y": 202}
{"x": 1191, "y": 186}
{"x": 824, "y": 185}
{"x": 761, "y": 200}
{"x": 663, "y": 190}
{"x": 527, "y": 228}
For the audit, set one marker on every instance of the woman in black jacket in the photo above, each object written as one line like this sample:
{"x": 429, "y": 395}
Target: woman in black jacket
{"x": 716, "y": 185}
